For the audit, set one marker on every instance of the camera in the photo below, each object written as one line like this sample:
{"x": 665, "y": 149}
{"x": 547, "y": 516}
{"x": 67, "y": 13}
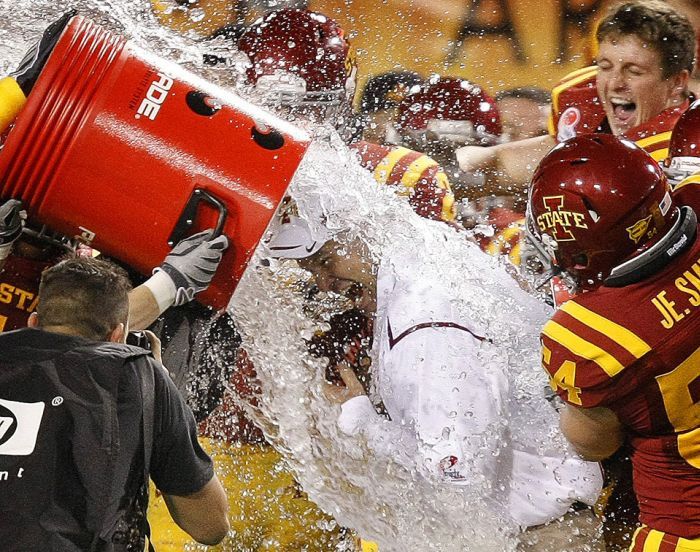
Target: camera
{"x": 138, "y": 339}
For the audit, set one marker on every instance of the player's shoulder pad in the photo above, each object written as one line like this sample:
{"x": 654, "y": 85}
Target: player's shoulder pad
{"x": 691, "y": 181}
{"x": 570, "y": 99}
{"x": 584, "y": 350}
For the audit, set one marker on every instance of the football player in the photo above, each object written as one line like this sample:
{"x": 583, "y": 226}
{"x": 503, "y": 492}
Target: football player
{"x": 683, "y": 163}
{"x": 524, "y": 112}
{"x": 379, "y": 104}
{"x": 300, "y": 63}
{"x": 25, "y": 252}
{"x": 638, "y": 89}
{"x": 438, "y": 117}
{"x": 622, "y": 353}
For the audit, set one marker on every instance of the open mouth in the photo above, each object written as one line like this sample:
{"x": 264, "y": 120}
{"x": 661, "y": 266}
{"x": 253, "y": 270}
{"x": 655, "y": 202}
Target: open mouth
{"x": 623, "y": 110}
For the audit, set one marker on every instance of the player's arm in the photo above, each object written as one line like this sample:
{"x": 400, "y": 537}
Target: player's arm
{"x": 595, "y": 433}
{"x": 11, "y": 223}
{"x": 187, "y": 270}
{"x": 203, "y": 514}
{"x": 512, "y": 163}
{"x": 687, "y": 192}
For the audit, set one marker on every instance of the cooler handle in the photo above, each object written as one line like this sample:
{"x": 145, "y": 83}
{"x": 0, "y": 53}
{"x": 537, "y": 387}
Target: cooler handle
{"x": 186, "y": 221}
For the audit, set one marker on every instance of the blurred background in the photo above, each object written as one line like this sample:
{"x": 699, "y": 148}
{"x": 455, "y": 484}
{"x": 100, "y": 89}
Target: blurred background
{"x": 499, "y": 44}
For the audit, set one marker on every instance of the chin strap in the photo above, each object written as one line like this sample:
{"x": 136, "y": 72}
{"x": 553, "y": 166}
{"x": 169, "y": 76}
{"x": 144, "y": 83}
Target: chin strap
{"x": 660, "y": 254}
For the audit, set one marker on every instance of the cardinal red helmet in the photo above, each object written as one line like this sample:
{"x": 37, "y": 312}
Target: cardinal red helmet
{"x": 684, "y": 150}
{"x": 299, "y": 57}
{"x": 450, "y": 108}
{"x": 601, "y": 209}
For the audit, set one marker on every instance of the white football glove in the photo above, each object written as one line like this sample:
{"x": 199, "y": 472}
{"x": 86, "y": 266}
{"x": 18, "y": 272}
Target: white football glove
{"x": 192, "y": 263}
{"x": 11, "y": 223}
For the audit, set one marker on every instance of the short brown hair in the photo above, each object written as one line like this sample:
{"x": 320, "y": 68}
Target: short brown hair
{"x": 657, "y": 24}
{"x": 86, "y": 294}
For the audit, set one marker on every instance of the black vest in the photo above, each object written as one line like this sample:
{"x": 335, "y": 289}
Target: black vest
{"x": 76, "y": 426}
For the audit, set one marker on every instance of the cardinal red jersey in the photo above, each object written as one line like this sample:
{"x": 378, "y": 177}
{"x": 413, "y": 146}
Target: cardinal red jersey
{"x": 577, "y": 109}
{"x": 19, "y": 287}
{"x": 229, "y": 422}
{"x": 655, "y": 135}
{"x": 687, "y": 192}
{"x": 507, "y": 235}
{"x": 636, "y": 351}
{"x": 414, "y": 174}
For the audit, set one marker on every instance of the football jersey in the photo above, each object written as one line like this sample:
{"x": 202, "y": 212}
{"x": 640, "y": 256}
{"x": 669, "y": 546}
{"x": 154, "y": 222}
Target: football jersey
{"x": 687, "y": 192}
{"x": 508, "y": 226}
{"x": 19, "y": 287}
{"x": 229, "y": 422}
{"x": 636, "y": 351}
{"x": 577, "y": 109}
{"x": 414, "y": 174}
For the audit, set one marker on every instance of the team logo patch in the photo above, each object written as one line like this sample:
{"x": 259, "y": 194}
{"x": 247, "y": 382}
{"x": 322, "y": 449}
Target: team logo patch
{"x": 447, "y": 468}
{"x": 638, "y": 229}
{"x": 568, "y": 122}
{"x": 19, "y": 427}
{"x": 558, "y": 221}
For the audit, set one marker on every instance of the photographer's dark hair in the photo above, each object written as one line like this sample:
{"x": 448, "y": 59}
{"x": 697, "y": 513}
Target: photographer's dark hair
{"x": 86, "y": 294}
{"x": 658, "y": 25}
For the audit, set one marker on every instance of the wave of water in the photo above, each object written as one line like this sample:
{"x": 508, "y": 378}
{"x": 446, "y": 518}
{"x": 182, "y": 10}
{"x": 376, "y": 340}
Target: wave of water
{"x": 384, "y": 500}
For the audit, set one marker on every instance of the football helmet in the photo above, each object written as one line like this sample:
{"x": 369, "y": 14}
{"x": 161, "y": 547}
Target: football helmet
{"x": 453, "y": 109}
{"x": 684, "y": 150}
{"x": 600, "y": 210}
{"x": 299, "y": 58}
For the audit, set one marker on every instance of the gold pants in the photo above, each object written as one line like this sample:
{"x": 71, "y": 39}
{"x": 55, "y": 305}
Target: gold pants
{"x": 268, "y": 510}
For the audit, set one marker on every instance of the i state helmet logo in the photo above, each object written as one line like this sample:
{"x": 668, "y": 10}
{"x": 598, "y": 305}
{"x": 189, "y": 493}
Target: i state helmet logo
{"x": 557, "y": 220}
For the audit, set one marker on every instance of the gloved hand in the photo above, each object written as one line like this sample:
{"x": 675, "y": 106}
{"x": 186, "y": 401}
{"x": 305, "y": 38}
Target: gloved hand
{"x": 192, "y": 264}
{"x": 11, "y": 223}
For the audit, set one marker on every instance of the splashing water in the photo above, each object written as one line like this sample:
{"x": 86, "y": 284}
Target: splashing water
{"x": 382, "y": 499}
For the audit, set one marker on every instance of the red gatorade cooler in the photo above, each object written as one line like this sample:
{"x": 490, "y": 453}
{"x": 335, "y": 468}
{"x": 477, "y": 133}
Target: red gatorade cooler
{"x": 132, "y": 153}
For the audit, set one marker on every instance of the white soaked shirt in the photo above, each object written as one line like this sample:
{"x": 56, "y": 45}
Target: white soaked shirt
{"x": 450, "y": 401}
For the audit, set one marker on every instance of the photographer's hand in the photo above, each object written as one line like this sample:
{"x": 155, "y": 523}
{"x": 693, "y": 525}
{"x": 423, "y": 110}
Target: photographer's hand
{"x": 156, "y": 348}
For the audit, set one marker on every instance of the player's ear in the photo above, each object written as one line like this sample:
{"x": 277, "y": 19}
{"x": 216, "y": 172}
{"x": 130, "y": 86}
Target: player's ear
{"x": 680, "y": 85}
{"x": 118, "y": 334}
{"x": 33, "y": 321}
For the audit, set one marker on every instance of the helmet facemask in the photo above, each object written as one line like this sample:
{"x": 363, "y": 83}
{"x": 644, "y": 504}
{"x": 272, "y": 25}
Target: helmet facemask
{"x": 286, "y": 94}
{"x": 300, "y": 65}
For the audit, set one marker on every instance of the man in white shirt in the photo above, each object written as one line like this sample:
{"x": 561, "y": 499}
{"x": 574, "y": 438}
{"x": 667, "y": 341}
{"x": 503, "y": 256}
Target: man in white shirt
{"x": 456, "y": 413}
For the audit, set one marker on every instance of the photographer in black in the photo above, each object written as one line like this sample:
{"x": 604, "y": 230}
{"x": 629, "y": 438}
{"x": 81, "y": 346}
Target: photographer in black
{"x": 85, "y": 420}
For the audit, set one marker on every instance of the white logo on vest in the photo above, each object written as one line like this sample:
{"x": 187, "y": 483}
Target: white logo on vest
{"x": 19, "y": 427}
